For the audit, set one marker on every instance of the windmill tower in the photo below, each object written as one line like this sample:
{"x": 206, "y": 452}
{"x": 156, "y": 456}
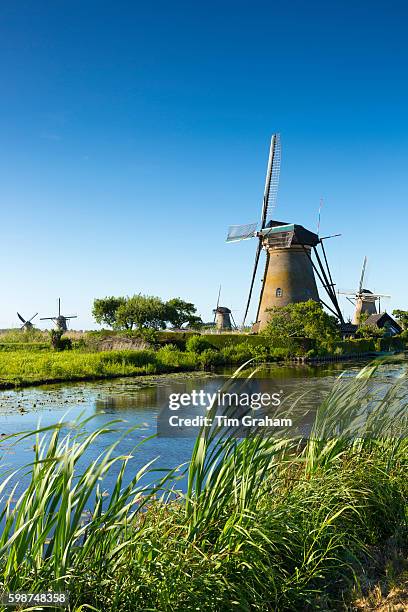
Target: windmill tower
{"x": 60, "y": 321}
{"x": 27, "y": 324}
{"x": 364, "y": 300}
{"x": 289, "y": 275}
{"x": 222, "y": 316}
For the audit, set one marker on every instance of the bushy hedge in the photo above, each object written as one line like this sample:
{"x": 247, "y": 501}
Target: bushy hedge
{"x": 24, "y": 346}
{"x": 358, "y": 346}
{"x": 221, "y": 340}
{"x": 353, "y": 346}
{"x": 390, "y": 343}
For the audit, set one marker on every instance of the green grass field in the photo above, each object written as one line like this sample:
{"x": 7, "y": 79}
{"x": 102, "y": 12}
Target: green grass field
{"x": 23, "y": 368}
{"x": 26, "y": 358}
{"x": 23, "y": 364}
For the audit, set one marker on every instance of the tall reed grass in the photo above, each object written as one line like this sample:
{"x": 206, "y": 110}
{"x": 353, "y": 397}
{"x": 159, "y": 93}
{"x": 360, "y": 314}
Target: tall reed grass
{"x": 265, "y": 524}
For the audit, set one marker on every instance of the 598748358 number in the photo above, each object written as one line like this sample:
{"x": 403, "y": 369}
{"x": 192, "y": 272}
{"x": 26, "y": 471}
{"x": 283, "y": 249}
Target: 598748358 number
{"x": 47, "y": 599}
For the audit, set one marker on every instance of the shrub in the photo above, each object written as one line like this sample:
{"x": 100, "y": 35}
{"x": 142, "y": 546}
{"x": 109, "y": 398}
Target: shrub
{"x": 237, "y": 353}
{"x": 369, "y": 331}
{"x": 390, "y": 343}
{"x": 197, "y": 344}
{"x": 259, "y": 352}
{"x": 301, "y": 320}
{"x": 210, "y": 358}
{"x": 280, "y": 353}
{"x": 59, "y": 343}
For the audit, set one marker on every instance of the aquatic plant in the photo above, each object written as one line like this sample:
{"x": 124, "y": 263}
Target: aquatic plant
{"x": 265, "y": 523}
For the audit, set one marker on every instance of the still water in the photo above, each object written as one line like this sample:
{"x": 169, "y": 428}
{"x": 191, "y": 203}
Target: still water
{"x": 137, "y": 402}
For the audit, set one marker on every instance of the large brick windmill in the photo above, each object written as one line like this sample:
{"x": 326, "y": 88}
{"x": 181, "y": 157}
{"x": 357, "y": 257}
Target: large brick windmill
{"x": 289, "y": 268}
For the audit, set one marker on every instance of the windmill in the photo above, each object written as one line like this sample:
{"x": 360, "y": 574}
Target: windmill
{"x": 27, "y": 324}
{"x": 363, "y": 300}
{"x": 222, "y": 316}
{"x": 289, "y": 268}
{"x": 60, "y": 320}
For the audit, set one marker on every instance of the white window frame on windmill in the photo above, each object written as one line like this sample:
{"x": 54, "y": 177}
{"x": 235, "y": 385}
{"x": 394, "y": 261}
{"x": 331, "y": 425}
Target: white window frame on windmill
{"x": 279, "y": 292}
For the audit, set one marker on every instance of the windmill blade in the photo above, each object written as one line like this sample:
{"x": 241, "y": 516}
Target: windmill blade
{"x": 47, "y": 318}
{"x": 331, "y": 236}
{"x": 21, "y": 318}
{"x": 218, "y": 303}
{"x": 272, "y": 179}
{"x": 218, "y": 299}
{"x": 258, "y": 252}
{"x": 241, "y": 232}
{"x": 233, "y": 320}
{"x": 33, "y": 317}
{"x": 360, "y": 287}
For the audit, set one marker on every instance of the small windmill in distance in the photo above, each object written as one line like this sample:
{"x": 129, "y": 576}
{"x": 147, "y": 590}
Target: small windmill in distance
{"x": 364, "y": 300}
{"x": 27, "y": 324}
{"x": 222, "y": 316}
{"x": 60, "y": 321}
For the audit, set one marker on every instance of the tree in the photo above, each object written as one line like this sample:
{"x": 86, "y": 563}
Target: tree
{"x": 402, "y": 317}
{"x": 104, "y": 310}
{"x": 144, "y": 311}
{"x": 180, "y": 312}
{"x": 301, "y": 320}
{"x": 141, "y": 311}
{"x": 370, "y": 331}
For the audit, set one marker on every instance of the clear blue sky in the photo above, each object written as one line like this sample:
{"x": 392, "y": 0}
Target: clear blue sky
{"x": 133, "y": 134}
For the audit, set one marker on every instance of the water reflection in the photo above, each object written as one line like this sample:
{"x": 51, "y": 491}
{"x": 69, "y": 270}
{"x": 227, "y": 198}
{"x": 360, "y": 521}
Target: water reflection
{"x": 122, "y": 402}
{"x": 137, "y": 401}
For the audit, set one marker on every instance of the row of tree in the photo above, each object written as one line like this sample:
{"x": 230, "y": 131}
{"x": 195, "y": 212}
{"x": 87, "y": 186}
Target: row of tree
{"x": 144, "y": 311}
{"x": 304, "y": 319}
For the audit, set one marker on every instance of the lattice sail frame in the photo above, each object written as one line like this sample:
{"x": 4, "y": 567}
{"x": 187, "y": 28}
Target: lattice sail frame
{"x": 272, "y": 178}
{"x": 241, "y": 232}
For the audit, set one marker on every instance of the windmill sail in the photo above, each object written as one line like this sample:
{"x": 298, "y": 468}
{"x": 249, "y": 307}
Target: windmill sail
{"x": 257, "y": 254}
{"x": 21, "y": 318}
{"x": 268, "y": 204}
{"x": 241, "y": 232}
{"x": 272, "y": 180}
{"x": 360, "y": 287}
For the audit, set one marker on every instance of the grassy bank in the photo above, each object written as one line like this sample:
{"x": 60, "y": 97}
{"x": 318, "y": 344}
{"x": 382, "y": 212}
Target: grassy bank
{"x": 30, "y": 367}
{"x": 27, "y": 359}
{"x": 265, "y": 524}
